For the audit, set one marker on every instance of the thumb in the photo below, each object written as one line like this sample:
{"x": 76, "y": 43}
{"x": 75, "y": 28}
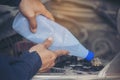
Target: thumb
{"x": 47, "y": 14}
{"x": 61, "y": 52}
{"x": 33, "y": 23}
{"x": 47, "y": 43}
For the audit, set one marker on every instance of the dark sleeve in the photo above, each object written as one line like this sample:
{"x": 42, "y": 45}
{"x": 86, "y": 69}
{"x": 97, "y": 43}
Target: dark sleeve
{"x": 10, "y": 2}
{"x": 22, "y": 68}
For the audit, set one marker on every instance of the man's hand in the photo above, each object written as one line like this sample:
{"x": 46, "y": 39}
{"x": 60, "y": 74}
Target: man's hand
{"x": 30, "y": 9}
{"x": 48, "y": 57}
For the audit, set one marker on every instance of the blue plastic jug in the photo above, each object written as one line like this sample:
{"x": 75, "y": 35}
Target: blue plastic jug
{"x": 62, "y": 38}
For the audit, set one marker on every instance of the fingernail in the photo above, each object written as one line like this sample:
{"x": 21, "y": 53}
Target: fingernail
{"x": 53, "y": 19}
{"x": 50, "y": 38}
{"x": 33, "y": 30}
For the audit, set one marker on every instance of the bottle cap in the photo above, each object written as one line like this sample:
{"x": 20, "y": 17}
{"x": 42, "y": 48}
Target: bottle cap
{"x": 90, "y": 56}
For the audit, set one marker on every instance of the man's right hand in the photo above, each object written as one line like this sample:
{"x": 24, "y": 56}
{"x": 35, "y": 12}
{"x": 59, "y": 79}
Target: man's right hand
{"x": 48, "y": 57}
{"x": 30, "y": 9}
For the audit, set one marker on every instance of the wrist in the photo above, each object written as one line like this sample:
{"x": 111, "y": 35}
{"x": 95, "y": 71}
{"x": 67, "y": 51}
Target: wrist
{"x": 34, "y": 52}
{"x": 23, "y": 2}
{"x": 16, "y": 2}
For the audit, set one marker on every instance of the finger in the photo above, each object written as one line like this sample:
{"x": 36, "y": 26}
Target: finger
{"x": 44, "y": 70}
{"x": 48, "y": 42}
{"x": 33, "y": 23}
{"x": 47, "y": 14}
{"x": 48, "y": 65}
{"x": 52, "y": 65}
{"x": 61, "y": 52}
{"x": 47, "y": 68}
